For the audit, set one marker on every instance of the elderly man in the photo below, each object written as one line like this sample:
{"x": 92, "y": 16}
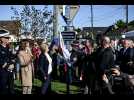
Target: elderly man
{"x": 104, "y": 61}
{"x": 126, "y": 57}
{"x": 126, "y": 62}
{"x": 6, "y": 75}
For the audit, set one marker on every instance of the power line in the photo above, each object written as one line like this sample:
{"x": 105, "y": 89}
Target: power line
{"x": 107, "y": 17}
{"x": 113, "y": 13}
{"x": 110, "y": 15}
{"x": 110, "y": 11}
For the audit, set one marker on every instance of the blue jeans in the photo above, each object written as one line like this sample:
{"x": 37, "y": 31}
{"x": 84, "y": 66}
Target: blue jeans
{"x": 45, "y": 85}
{"x": 17, "y": 67}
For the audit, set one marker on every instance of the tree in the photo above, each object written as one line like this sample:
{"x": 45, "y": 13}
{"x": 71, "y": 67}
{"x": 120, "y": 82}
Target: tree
{"x": 120, "y": 24}
{"x": 36, "y": 21}
{"x": 131, "y": 23}
{"x": 78, "y": 30}
{"x": 119, "y": 27}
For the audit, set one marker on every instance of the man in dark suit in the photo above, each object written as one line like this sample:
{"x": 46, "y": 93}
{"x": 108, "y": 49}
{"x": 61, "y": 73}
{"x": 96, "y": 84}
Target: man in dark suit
{"x": 104, "y": 59}
{"x": 126, "y": 58}
{"x": 126, "y": 62}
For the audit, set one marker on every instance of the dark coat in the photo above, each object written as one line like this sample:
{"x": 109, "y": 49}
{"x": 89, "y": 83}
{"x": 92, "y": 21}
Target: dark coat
{"x": 88, "y": 64}
{"x": 124, "y": 58}
{"x": 104, "y": 59}
{"x": 6, "y": 56}
{"x": 43, "y": 66}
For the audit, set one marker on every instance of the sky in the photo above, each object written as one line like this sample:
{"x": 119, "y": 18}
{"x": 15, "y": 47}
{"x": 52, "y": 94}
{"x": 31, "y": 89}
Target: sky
{"x": 104, "y": 15}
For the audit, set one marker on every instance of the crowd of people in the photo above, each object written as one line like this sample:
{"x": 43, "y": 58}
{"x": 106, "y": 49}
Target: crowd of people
{"x": 104, "y": 68}
{"x": 107, "y": 68}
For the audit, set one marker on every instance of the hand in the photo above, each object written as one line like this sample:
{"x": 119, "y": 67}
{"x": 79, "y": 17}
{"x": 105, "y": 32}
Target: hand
{"x": 4, "y": 65}
{"x": 130, "y": 63}
{"x": 104, "y": 78}
{"x": 81, "y": 78}
{"x": 116, "y": 72}
{"x": 45, "y": 77}
{"x": 11, "y": 67}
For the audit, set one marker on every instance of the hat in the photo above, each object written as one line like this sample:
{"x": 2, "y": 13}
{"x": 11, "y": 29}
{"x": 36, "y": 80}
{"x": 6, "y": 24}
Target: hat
{"x": 4, "y": 33}
{"x": 115, "y": 67}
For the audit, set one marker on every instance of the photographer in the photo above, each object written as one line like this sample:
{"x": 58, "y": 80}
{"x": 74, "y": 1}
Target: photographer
{"x": 118, "y": 80}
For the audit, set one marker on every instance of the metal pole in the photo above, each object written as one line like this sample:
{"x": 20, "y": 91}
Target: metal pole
{"x": 127, "y": 17}
{"x": 68, "y": 29}
{"x": 68, "y": 17}
{"x": 92, "y": 20}
{"x": 55, "y": 21}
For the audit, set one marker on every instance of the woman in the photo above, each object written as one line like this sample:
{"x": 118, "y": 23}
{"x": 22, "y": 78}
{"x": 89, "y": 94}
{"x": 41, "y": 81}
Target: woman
{"x": 45, "y": 66}
{"x": 25, "y": 59}
{"x": 36, "y": 52}
{"x": 88, "y": 67}
{"x": 54, "y": 55}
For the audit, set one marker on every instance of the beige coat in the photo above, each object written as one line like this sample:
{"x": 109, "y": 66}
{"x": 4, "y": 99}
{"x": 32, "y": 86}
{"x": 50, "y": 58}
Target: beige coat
{"x": 26, "y": 71}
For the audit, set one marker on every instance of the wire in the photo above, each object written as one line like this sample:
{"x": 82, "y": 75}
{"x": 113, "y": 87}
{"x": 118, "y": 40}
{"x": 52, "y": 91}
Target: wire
{"x": 110, "y": 11}
{"x": 108, "y": 17}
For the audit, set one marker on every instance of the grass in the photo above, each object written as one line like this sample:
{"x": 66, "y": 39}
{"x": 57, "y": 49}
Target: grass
{"x": 60, "y": 88}
{"x": 56, "y": 86}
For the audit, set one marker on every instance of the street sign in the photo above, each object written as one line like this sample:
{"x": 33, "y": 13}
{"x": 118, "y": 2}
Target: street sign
{"x": 73, "y": 11}
{"x": 68, "y": 35}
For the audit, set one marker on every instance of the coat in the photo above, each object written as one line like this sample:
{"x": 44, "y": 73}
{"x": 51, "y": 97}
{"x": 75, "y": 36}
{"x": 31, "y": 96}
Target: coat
{"x": 43, "y": 66}
{"x": 104, "y": 60}
{"x": 26, "y": 71}
{"x": 124, "y": 58}
{"x": 5, "y": 56}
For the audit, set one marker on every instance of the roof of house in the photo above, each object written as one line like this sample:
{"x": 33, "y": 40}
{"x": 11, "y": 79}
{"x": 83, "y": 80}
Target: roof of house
{"x": 97, "y": 30}
{"x": 12, "y": 26}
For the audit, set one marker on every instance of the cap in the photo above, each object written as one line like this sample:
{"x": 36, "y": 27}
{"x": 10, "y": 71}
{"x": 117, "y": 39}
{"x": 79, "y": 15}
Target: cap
{"x": 4, "y": 33}
{"x": 115, "y": 67}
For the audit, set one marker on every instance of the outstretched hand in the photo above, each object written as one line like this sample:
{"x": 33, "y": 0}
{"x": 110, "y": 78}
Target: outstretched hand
{"x": 116, "y": 72}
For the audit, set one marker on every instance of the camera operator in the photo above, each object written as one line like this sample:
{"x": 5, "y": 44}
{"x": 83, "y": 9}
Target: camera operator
{"x": 118, "y": 80}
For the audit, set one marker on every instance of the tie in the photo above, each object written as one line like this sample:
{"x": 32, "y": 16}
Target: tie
{"x": 124, "y": 51}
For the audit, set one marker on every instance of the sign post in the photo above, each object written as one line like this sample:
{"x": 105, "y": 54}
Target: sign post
{"x": 68, "y": 37}
{"x": 68, "y": 12}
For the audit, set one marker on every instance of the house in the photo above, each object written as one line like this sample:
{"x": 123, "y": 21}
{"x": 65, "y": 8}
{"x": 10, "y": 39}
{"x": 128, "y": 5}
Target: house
{"x": 96, "y": 30}
{"x": 86, "y": 31}
{"x": 12, "y": 26}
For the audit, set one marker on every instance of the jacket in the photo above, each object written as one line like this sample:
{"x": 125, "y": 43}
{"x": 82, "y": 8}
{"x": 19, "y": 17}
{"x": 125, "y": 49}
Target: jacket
{"x": 43, "y": 65}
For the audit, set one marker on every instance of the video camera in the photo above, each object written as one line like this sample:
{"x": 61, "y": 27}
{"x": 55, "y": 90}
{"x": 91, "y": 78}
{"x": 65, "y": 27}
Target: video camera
{"x": 112, "y": 69}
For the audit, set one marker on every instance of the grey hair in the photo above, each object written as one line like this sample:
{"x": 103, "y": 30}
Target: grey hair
{"x": 106, "y": 39}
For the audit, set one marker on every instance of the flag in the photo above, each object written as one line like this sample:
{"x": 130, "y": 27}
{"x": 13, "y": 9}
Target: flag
{"x": 55, "y": 41}
{"x": 65, "y": 51}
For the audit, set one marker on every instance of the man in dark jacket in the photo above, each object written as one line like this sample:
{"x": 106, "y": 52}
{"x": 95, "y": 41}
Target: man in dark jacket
{"x": 126, "y": 58}
{"x": 126, "y": 61}
{"x": 104, "y": 59}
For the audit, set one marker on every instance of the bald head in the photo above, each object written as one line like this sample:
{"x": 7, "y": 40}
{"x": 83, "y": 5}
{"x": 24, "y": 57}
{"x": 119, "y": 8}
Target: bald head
{"x": 105, "y": 41}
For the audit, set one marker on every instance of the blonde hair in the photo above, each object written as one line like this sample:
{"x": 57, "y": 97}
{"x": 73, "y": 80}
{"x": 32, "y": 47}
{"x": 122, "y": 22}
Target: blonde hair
{"x": 43, "y": 47}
